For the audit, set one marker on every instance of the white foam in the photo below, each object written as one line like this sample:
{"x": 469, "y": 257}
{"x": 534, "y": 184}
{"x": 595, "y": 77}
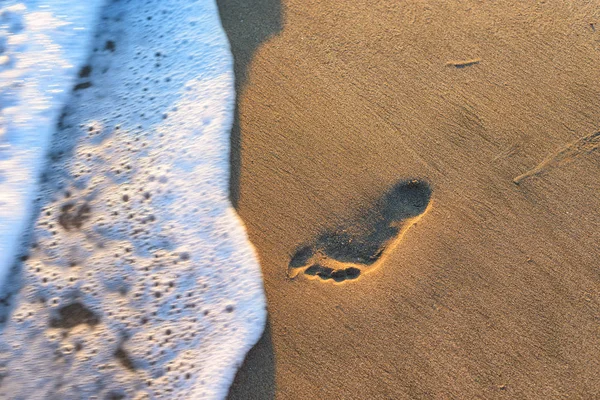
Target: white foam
{"x": 140, "y": 281}
{"x": 42, "y": 44}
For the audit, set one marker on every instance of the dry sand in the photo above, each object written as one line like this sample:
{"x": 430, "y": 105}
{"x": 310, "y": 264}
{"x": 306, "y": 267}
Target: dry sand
{"x": 495, "y": 292}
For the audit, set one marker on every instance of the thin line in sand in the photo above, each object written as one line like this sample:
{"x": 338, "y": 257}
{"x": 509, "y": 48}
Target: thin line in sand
{"x": 463, "y": 63}
{"x": 564, "y": 156}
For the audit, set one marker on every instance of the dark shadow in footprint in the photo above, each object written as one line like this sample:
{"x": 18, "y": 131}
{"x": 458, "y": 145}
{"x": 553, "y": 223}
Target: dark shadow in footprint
{"x": 352, "y": 250}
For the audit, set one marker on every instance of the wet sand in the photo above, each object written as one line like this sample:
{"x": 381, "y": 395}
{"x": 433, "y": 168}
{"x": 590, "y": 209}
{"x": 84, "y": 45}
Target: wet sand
{"x": 494, "y": 293}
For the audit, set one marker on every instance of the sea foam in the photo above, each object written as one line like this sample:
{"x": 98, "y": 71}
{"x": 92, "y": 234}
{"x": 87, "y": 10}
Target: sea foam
{"x": 42, "y": 44}
{"x": 140, "y": 281}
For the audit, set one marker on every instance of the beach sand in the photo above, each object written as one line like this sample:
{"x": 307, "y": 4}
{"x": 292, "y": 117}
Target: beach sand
{"x": 494, "y": 293}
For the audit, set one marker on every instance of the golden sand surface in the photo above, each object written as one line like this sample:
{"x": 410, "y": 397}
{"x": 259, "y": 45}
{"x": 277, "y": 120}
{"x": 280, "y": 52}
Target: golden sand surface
{"x": 494, "y": 293}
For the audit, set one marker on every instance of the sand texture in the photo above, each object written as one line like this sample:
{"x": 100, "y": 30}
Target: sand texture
{"x": 494, "y": 292}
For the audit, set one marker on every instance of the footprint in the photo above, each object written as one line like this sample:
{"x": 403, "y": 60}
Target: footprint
{"x": 349, "y": 252}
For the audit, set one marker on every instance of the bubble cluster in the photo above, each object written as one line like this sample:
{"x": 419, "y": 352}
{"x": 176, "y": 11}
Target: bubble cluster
{"x": 38, "y": 58}
{"x": 139, "y": 281}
